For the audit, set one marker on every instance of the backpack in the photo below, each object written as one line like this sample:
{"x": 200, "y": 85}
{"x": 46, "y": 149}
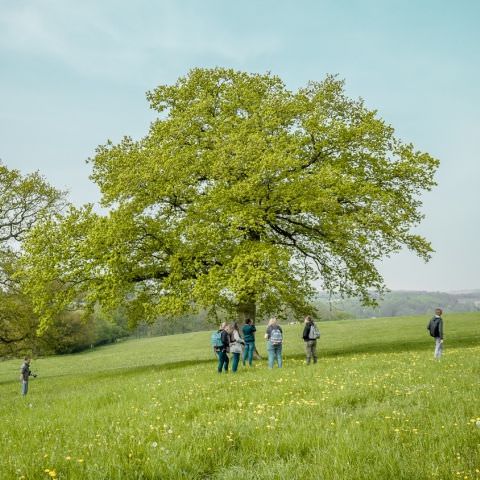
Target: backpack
{"x": 434, "y": 327}
{"x": 314, "y": 333}
{"x": 276, "y": 337}
{"x": 216, "y": 339}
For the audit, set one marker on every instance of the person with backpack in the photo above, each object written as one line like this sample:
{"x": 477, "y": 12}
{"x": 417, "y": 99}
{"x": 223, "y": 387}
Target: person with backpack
{"x": 249, "y": 338}
{"x": 236, "y": 345}
{"x": 220, "y": 341}
{"x": 435, "y": 327}
{"x": 274, "y": 337}
{"x": 310, "y": 336}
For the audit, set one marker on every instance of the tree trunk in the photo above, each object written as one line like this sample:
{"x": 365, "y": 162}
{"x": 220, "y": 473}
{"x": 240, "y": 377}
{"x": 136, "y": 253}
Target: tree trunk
{"x": 246, "y": 310}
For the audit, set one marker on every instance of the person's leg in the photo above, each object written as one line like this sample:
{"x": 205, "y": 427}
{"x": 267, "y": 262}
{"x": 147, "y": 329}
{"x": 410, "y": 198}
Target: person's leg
{"x": 24, "y": 387}
{"x": 236, "y": 359}
{"x": 251, "y": 352}
{"x": 271, "y": 355}
{"x": 220, "y": 361}
{"x": 245, "y": 353}
{"x": 279, "y": 355}
{"x": 308, "y": 351}
{"x": 225, "y": 362}
{"x": 314, "y": 351}
{"x": 438, "y": 348}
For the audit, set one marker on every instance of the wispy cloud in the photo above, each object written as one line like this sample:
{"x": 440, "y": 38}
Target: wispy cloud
{"x": 90, "y": 38}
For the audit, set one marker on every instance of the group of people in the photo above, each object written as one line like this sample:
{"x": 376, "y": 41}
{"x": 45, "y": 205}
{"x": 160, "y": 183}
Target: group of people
{"x": 228, "y": 339}
{"x": 236, "y": 344}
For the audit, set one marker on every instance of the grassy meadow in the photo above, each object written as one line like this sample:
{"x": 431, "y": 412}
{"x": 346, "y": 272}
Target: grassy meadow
{"x": 376, "y": 406}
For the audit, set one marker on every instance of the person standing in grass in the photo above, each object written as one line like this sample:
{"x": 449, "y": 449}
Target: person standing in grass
{"x": 310, "y": 335}
{"x": 435, "y": 327}
{"x": 249, "y": 337}
{"x": 222, "y": 352}
{"x": 236, "y": 346}
{"x": 25, "y": 373}
{"x": 274, "y": 337}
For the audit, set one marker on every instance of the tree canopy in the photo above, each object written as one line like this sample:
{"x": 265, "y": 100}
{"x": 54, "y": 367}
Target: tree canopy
{"x": 24, "y": 200}
{"x": 241, "y": 193}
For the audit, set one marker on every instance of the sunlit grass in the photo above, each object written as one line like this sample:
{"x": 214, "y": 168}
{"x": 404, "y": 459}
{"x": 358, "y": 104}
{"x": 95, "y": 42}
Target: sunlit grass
{"x": 375, "y": 406}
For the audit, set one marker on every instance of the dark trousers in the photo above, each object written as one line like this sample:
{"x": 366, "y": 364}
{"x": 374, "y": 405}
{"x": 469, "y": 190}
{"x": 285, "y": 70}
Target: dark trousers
{"x": 222, "y": 361}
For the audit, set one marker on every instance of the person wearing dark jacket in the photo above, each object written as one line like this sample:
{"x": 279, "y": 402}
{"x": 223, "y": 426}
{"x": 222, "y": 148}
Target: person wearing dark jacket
{"x": 222, "y": 352}
{"x": 25, "y": 373}
{"x": 310, "y": 340}
{"x": 435, "y": 327}
{"x": 249, "y": 337}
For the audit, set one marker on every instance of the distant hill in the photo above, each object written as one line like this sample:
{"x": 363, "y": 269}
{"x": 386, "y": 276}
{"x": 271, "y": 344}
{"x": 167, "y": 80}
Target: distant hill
{"x": 399, "y": 303}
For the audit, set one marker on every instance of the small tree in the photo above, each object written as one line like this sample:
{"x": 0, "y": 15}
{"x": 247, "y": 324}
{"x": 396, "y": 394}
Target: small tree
{"x": 240, "y": 195}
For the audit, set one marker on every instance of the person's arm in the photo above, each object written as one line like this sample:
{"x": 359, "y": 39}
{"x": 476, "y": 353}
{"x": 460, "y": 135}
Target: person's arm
{"x": 440, "y": 329}
{"x": 267, "y": 333}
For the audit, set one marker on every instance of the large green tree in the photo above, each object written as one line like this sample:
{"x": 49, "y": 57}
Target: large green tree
{"x": 24, "y": 200}
{"x": 241, "y": 193}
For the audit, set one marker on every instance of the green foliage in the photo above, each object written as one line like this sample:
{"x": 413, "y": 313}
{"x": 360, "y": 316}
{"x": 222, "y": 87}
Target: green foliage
{"x": 242, "y": 192}
{"x": 376, "y": 406}
{"x": 24, "y": 201}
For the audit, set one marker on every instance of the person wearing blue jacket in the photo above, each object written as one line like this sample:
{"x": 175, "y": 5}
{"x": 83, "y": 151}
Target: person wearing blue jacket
{"x": 248, "y": 331}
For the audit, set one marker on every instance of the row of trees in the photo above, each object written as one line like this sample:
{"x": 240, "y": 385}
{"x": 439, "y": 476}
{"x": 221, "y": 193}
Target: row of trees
{"x": 241, "y": 193}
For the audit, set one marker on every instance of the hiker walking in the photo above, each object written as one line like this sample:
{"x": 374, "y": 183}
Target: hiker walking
{"x": 274, "y": 337}
{"x": 435, "y": 327}
{"x": 310, "y": 336}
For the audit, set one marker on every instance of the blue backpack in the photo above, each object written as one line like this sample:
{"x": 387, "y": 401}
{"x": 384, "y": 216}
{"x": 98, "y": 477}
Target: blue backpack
{"x": 276, "y": 337}
{"x": 216, "y": 339}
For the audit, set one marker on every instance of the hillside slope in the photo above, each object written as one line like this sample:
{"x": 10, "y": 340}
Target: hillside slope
{"x": 375, "y": 406}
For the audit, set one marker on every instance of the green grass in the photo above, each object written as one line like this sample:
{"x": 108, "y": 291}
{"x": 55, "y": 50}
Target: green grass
{"x": 376, "y": 406}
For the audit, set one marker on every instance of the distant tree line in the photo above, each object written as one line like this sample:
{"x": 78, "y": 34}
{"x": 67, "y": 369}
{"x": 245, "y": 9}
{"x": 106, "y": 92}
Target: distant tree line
{"x": 399, "y": 303}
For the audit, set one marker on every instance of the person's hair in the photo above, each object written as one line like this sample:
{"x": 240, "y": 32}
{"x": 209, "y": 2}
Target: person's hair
{"x": 439, "y": 311}
{"x": 308, "y": 318}
{"x": 223, "y": 325}
{"x": 248, "y": 321}
{"x": 27, "y": 358}
{"x": 272, "y": 321}
{"x": 235, "y": 326}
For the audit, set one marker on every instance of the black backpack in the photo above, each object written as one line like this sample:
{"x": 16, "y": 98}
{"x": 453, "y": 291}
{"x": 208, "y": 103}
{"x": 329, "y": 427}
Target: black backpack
{"x": 434, "y": 327}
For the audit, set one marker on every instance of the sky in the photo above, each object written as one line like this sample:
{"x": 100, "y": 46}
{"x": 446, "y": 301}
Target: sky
{"x": 74, "y": 74}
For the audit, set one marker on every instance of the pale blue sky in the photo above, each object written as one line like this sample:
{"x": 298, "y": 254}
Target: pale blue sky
{"x": 74, "y": 74}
